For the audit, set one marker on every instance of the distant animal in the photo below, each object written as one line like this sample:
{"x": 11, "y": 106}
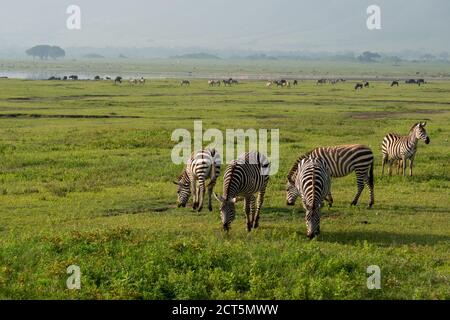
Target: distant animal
{"x": 295, "y": 82}
{"x": 366, "y": 84}
{"x": 185, "y": 83}
{"x": 97, "y": 78}
{"x": 358, "y": 86}
{"x": 133, "y": 81}
{"x": 409, "y": 81}
{"x": 107, "y": 78}
{"x": 321, "y": 81}
{"x": 396, "y": 147}
{"x": 313, "y": 185}
{"x": 233, "y": 81}
{"x": 73, "y": 77}
{"x": 394, "y": 83}
{"x": 65, "y": 78}
{"x": 118, "y": 79}
{"x": 246, "y": 176}
{"x": 54, "y": 78}
{"x": 341, "y": 160}
{"x": 202, "y": 165}
{"x": 268, "y": 83}
{"x": 213, "y": 83}
{"x": 142, "y": 80}
{"x": 420, "y": 81}
{"x": 227, "y": 82}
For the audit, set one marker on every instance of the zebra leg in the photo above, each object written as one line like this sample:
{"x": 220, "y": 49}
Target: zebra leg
{"x": 329, "y": 199}
{"x": 360, "y": 184}
{"x": 249, "y": 205}
{"x": 201, "y": 194}
{"x": 411, "y": 160}
{"x": 194, "y": 194}
{"x": 390, "y": 162}
{"x": 384, "y": 161}
{"x": 258, "y": 208}
{"x": 210, "y": 190}
{"x": 404, "y": 166}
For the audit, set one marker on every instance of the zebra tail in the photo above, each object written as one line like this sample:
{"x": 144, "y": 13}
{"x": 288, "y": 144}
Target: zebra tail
{"x": 371, "y": 174}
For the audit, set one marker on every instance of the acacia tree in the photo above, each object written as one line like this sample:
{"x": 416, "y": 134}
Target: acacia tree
{"x": 45, "y": 51}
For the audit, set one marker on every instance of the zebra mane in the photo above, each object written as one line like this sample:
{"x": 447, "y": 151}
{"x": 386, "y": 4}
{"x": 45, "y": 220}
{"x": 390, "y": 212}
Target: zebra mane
{"x": 294, "y": 168}
{"x": 313, "y": 184}
{"x": 412, "y": 128}
{"x": 183, "y": 175}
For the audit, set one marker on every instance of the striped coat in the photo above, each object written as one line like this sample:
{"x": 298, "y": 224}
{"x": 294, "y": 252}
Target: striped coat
{"x": 202, "y": 165}
{"x": 341, "y": 161}
{"x": 246, "y": 176}
{"x": 402, "y": 148}
{"x": 313, "y": 183}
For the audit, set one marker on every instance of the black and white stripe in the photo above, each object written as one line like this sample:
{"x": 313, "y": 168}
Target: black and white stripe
{"x": 244, "y": 177}
{"x": 401, "y": 148}
{"x": 203, "y": 165}
{"x": 341, "y": 161}
{"x": 312, "y": 184}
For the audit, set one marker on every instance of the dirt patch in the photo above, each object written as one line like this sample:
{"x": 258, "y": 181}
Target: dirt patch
{"x": 72, "y": 116}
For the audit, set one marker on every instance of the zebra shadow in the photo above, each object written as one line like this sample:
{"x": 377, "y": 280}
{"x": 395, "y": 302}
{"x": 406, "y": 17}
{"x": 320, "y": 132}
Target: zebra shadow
{"x": 382, "y": 238}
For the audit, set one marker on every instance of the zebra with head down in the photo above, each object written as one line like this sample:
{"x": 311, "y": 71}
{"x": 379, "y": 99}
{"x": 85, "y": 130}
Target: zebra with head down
{"x": 247, "y": 175}
{"x": 313, "y": 184}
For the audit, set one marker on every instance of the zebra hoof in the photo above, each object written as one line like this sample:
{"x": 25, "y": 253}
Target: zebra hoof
{"x": 199, "y": 209}
{"x": 353, "y": 203}
{"x": 195, "y": 206}
{"x": 210, "y": 208}
{"x": 249, "y": 227}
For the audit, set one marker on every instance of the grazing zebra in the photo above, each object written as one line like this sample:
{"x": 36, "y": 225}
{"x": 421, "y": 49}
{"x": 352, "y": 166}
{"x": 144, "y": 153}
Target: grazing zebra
{"x": 142, "y": 80}
{"x": 269, "y": 84}
{"x": 397, "y": 147}
{"x": 312, "y": 184}
{"x": 341, "y": 161}
{"x": 202, "y": 165}
{"x": 185, "y": 82}
{"x": 227, "y": 82}
{"x": 394, "y": 83}
{"x": 247, "y": 175}
{"x": 358, "y": 86}
{"x": 366, "y": 84}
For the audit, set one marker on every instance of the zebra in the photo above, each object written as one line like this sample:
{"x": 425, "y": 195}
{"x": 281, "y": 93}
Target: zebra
{"x": 247, "y": 175}
{"x": 401, "y": 148}
{"x": 202, "y": 165}
{"x": 312, "y": 184}
{"x": 341, "y": 161}
{"x": 358, "y": 86}
{"x": 394, "y": 83}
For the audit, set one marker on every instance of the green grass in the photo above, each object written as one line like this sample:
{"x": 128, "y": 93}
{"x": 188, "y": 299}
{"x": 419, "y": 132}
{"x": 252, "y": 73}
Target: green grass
{"x": 97, "y": 192}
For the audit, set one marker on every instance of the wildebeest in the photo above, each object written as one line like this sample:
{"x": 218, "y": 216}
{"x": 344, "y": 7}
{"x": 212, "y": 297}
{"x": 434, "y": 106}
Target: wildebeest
{"x": 54, "y": 78}
{"x": 394, "y": 83}
{"x": 73, "y": 77}
{"x": 358, "y": 86}
{"x": 65, "y": 78}
{"x": 409, "y": 81}
{"x": 366, "y": 84}
{"x": 227, "y": 82}
{"x": 118, "y": 79}
{"x": 97, "y": 78}
{"x": 185, "y": 82}
{"x": 420, "y": 81}
{"x": 321, "y": 81}
{"x": 295, "y": 82}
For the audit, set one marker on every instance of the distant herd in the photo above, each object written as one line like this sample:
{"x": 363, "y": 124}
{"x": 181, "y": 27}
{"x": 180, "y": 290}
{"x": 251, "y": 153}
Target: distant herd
{"x": 231, "y": 81}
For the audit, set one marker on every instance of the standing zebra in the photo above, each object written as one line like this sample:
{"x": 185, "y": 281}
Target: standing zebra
{"x": 401, "y": 148}
{"x": 202, "y": 165}
{"x": 341, "y": 161}
{"x": 245, "y": 176}
{"x": 313, "y": 184}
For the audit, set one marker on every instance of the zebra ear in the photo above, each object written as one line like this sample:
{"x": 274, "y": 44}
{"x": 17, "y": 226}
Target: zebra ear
{"x": 423, "y": 124}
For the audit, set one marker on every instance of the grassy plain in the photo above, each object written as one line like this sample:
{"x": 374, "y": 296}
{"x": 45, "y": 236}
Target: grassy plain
{"x": 96, "y": 192}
